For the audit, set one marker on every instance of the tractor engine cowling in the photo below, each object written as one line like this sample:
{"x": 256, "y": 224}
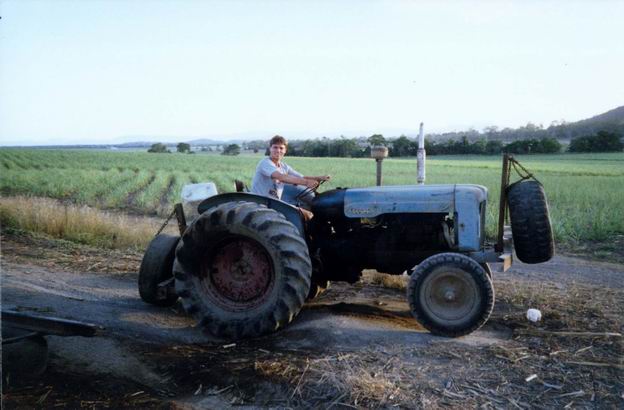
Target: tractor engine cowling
{"x": 465, "y": 204}
{"x": 392, "y": 228}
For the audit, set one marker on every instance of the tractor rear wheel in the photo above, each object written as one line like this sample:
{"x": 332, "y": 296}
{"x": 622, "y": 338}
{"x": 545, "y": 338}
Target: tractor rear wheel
{"x": 450, "y": 294}
{"x": 243, "y": 270}
{"x": 530, "y": 222}
{"x": 157, "y": 267}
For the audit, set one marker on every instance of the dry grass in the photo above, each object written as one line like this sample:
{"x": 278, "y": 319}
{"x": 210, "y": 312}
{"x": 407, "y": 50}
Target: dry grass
{"x": 80, "y": 224}
{"x": 387, "y": 281}
{"x": 346, "y": 379}
{"x": 22, "y": 247}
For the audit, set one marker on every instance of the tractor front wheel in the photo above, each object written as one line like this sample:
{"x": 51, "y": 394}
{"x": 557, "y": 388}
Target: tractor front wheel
{"x": 450, "y": 294}
{"x": 243, "y": 270}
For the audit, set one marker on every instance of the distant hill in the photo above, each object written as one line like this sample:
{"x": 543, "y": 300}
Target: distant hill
{"x": 612, "y": 118}
{"x": 612, "y": 121}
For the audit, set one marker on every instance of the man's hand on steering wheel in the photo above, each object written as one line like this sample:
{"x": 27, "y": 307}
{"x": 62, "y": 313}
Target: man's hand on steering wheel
{"x": 320, "y": 180}
{"x": 312, "y": 184}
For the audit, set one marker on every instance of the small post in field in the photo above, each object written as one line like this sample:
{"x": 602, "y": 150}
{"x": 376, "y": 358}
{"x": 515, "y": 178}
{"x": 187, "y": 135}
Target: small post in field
{"x": 421, "y": 156}
{"x": 379, "y": 153}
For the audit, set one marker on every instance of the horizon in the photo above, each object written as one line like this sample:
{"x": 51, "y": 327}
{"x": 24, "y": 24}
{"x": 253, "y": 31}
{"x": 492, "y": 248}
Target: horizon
{"x": 220, "y": 140}
{"x": 144, "y": 140}
{"x": 107, "y": 73}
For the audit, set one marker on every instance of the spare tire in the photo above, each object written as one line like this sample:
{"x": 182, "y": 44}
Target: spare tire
{"x": 243, "y": 270}
{"x": 530, "y": 222}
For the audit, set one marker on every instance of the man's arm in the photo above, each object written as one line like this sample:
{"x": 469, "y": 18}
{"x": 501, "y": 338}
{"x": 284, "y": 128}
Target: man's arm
{"x": 319, "y": 178}
{"x": 309, "y": 182}
{"x": 291, "y": 171}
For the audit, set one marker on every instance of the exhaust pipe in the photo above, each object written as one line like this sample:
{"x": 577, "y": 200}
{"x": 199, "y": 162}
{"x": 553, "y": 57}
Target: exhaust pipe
{"x": 421, "y": 156}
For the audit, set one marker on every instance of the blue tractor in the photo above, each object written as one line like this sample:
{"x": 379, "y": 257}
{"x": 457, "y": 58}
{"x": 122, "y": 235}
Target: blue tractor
{"x": 246, "y": 264}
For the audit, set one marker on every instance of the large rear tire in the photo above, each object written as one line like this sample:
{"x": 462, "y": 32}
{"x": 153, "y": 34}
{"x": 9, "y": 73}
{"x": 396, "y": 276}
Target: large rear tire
{"x": 450, "y": 294}
{"x": 530, "y": 222}
{"x": 157, "y": 267}
{"x": 243, "y": 270}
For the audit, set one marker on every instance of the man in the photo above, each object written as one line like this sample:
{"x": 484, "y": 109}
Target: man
{"x": 272, "y": 173}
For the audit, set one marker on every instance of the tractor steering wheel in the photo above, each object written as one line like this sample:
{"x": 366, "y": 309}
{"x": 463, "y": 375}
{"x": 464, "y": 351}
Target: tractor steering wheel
{"x": 308, "y": 191}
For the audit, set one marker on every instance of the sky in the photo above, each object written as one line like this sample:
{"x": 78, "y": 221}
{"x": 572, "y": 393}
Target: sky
{"x": 117, "y": 71}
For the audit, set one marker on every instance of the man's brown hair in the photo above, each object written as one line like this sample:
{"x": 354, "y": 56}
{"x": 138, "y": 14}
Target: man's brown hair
{"x": 278, "y": 139}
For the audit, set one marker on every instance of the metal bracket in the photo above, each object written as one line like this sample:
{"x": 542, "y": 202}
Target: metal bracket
{"x": 165, "y": 289}
{"x": 502, "y": 208}
{"x": 492, "y": 255}
{"x": 178, "y": 210}
{"x": 48, "y": 325}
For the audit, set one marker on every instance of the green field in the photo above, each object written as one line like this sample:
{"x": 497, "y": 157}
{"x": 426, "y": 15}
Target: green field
{"x": 585, "y": 191}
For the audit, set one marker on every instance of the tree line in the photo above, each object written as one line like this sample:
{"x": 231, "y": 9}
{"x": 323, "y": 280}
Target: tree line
{"x": 402, "y": 146}
{"x": 185, "y": 148}
{"x": 602, "y": 141}
{"x": 405, "y": 147}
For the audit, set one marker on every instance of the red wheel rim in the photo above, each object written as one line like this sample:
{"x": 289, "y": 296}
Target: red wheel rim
{"x": 240, "y": 273}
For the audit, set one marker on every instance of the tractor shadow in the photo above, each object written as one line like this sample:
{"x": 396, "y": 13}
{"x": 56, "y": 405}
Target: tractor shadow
{"x": 362, "y": 323}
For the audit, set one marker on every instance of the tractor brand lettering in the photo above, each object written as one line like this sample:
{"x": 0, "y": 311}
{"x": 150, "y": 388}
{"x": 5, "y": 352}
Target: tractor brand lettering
{"x": 360, "y": 211}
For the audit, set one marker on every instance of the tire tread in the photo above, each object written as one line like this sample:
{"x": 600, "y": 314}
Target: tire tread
{"x": 530, "y": 222}
{"x": 276, "y": 232}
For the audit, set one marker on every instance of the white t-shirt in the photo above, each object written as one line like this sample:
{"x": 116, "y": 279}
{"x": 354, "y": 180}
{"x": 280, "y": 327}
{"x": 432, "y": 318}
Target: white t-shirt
{"x": 263, "y": 184}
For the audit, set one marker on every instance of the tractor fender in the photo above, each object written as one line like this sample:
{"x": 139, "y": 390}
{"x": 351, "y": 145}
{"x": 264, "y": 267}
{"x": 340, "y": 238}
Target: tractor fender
{"x": 290, "y": 212}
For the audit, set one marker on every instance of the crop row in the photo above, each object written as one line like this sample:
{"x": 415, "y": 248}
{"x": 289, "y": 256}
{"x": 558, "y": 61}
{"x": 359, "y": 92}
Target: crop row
{"x": 585, "y": 191}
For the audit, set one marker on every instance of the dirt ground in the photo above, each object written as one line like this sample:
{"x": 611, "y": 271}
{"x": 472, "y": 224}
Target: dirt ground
{"x": 356, "y": 346}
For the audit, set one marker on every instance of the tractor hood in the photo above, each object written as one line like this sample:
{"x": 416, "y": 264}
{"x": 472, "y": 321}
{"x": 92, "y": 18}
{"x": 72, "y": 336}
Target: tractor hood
{"x": 371, "y": 202}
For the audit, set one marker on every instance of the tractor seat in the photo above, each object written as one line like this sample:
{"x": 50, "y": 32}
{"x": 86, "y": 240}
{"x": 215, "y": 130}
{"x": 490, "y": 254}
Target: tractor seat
{"x": 240, "y": 186}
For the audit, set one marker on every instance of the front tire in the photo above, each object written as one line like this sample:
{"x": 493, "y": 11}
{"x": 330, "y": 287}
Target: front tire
{"x": 243, "y": 270}
{"x": 450, "y": 294}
